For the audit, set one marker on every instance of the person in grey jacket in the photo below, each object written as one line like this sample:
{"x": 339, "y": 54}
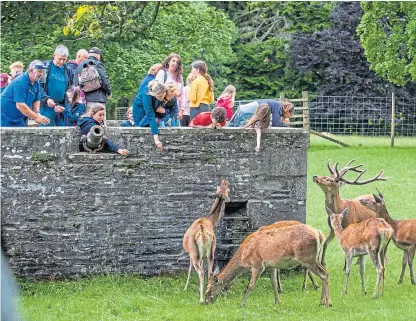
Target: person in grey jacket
{"x": 104, "y": 92}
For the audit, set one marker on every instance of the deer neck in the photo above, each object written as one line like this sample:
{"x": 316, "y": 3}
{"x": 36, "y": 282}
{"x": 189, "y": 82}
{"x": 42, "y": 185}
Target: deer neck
{"x": 217, "y": 210}
{"x": 232, "y": 270}
{"x": 334, "y": 202}
{"x": 385, "y": 215}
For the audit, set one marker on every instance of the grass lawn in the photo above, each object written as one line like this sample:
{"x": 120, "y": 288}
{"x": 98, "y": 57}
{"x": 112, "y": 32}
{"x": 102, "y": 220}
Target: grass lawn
{"x": 163, "y": 298}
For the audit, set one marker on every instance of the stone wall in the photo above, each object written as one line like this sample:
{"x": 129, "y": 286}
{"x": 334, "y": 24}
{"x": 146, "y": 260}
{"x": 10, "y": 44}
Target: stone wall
{"x": 68, "y": 214}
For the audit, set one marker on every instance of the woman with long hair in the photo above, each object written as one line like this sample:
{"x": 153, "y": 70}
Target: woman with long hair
{"x": 260, "y": 121}
{"x": 74, "y": 109}
{"x": 202, "y": 89}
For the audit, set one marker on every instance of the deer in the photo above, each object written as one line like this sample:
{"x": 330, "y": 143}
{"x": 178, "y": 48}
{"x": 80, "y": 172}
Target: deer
{"x": 280, "y": 248}
{"x": 404, "y": 233}
{"x": 275, "y": 273}
{"x": 331, "y": 185}
{"x": 199, "y": 240}
{"x": 371, "y": 237}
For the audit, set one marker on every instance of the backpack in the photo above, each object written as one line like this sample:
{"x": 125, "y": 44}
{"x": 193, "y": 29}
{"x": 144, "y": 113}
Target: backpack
{"x": 89, "y": 78}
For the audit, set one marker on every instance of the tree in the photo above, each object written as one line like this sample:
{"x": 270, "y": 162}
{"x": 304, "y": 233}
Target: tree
{"x": 388, "y": 35}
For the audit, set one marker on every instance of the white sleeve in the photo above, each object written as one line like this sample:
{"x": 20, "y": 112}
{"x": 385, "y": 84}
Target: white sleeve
{"x": 160, "y": 76}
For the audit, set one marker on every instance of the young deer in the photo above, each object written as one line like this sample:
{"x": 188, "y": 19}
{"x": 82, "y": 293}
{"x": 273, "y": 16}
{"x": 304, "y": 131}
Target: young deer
{"x": 199, "y": 240}
{"x": 281, "y": 248}
{"x": 275, "y": 273}
{"x": 331, "y": 184}
{"x": 404, "y": 233}
{"x": 371, "y": 237}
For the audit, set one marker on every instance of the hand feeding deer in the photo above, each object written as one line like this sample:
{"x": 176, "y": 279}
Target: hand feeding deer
{"x": 280, "y": 248}
{"x": 371, "y": 237}
{"x": 404, "y": 233}
{"x": 275, "y": 273}
{"x": 199, "y": 240}
{"x": 331, "y": 184}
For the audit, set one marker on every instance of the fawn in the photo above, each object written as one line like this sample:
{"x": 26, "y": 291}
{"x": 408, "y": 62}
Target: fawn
{"x": 371, "y": 237}
{"x": 199, "y": 240}
{"x": 331, "y": 184}
{"x": 404, "y": 232}
{"x": 280, "y": 248}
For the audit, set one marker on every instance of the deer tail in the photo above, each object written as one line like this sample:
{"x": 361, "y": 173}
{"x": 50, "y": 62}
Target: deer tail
{"x": 203, "y": 240}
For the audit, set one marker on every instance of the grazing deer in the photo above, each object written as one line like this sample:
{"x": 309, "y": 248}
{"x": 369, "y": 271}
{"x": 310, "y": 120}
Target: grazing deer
{"x": 404, "y": 233}
{"x": 275, "y": 273}
{"x": 331, "y": 184}
{"x": 199, "y": 240}
{"x": 371, "y": 237}
{"x": 281, "y": 248}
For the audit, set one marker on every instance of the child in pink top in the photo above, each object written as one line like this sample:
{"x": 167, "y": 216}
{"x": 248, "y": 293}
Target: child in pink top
{"x": 184, "y": 113}
{"x": 226, "y": 100}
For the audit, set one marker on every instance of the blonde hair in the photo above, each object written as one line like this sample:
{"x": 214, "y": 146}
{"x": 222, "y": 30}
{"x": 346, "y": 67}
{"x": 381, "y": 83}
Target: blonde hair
{"x": 228, "y": 92}
{"x": 156, "y": 88}
{"x": 287, "y": 106}
{"x": 17, "y": 64}
{"x": 170, "y": 87}
{"x": 203, "y": 70}
{"x": 262, "y": 115}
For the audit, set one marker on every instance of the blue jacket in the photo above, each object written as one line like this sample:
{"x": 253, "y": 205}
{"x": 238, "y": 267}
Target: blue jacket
{"x": 86, "y": 123}
{"x": 126, "y": 123}
{"x": 145, "y": 105}
{"x": 276, "y": 109}
{"x": 72, "y": 114}
{"x": 171, "y": 108}
{"x": 45, "y": 81}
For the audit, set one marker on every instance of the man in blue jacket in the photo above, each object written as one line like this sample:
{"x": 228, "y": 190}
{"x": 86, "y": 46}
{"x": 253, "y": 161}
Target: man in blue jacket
{"x": 246, "y": 111}
{"x": 22, "y": 98}
{"x": 54, "y": 86}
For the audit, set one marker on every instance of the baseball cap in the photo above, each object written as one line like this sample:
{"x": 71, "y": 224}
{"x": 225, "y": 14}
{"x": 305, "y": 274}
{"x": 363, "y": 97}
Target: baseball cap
{"x": 4, "y": 79}
{"x": 41, "y": 65}
{"x": 96, "y": 51}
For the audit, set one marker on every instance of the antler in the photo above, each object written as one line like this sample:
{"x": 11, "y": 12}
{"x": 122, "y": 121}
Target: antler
{"x": 378, "y": 177}
{"x": 334, "y": 171}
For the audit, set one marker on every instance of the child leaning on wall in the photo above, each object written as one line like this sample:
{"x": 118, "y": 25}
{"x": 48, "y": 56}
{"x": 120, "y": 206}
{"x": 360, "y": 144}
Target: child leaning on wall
{"x": 169, "y": 110}
{"x": 260, "y": 121}
{"x": 210, "y": 119}
{"x": 184, "y": 115}
{"x": 95, "y": 116}
{"x": 226, "y": 100}
{"x": 73, "y": 109}
{"x": 129, "y": 122}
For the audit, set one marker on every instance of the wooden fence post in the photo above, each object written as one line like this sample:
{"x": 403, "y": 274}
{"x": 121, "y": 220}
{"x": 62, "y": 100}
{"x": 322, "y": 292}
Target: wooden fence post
{"x": 305, "y": 100}
{"x": 282, "y": 96}
{"x": 393, "y": 118}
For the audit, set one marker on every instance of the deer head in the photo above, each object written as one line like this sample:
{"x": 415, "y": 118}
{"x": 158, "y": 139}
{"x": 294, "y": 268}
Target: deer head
{"x": 376, "y": 205}
{"x": 214, "y": 288}
{"x": 330, "y": 184}
{"x": 336, "y": 219}
{"x": 223, "y": 189}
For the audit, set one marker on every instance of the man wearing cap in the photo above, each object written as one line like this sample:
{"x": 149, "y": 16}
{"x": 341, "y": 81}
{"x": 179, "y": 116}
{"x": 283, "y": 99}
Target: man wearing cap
{"x": 54, "y": 87}
{"x": 104, "y": 92}
{"x": 22, "y": 98}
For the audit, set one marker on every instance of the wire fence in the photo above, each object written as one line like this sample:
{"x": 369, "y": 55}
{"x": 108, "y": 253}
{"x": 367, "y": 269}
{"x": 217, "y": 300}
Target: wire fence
{"x": 346, "y": 115}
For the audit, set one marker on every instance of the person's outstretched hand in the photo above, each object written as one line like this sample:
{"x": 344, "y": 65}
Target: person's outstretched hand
{"x": 159, "y": 146}
{"x": 123, "y": 151}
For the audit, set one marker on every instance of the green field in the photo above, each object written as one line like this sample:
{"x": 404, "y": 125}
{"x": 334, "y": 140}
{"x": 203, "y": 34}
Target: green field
{"x": 163, "y": 298}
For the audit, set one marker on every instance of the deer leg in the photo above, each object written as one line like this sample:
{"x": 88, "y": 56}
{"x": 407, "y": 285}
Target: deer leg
{"x": 320, "y": 271}
{"x": 189, "y": 274}
{"x": 348, "y": 262}
{"x": 375, "y": 257}
{"x": 279, "y": 284}
{"x": 411, "y": 256}
{"x": 328, "y": 239}
{"x": 255, "y": 274}
{"x": 362, "y": 270}
{"x": 273, "y": 277}
{"x": 210, "y": 261}
{"x": 305, "y": 274}
{"x": 404, "y": 264}
{"x": 199, "y": 269}
{"x": 315, "y": 284}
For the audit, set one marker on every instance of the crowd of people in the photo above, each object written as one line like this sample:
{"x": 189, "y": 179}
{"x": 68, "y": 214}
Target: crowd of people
{"x": 74, "y": 93}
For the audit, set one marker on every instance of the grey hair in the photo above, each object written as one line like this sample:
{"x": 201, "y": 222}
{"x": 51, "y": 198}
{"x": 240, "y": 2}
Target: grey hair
{"x": 156, "y": 88}
{"x": 61, "y": 50}
{"x": 33, "y": 64}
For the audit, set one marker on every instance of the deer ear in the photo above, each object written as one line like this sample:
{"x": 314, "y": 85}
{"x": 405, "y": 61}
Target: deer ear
{"x": 379, "y": 194}
{"x": 345, "y": 212}
{"x": 328, "y": 211}
{"x": 377, "y": 199}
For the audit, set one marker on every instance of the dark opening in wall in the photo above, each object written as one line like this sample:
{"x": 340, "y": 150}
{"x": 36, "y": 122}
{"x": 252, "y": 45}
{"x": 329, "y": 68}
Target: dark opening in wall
{"x": 233, "y": 229}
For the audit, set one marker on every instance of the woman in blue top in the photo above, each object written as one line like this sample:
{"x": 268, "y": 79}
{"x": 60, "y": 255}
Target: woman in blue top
{"x": 74, "y": 109}
{"x": 95, "y": 116}
{"x": 146, "y": 104}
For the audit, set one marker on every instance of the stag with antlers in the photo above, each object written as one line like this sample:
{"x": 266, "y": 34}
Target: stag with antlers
{"x": 199, "y": 240}
{"x": 331, "y": 185}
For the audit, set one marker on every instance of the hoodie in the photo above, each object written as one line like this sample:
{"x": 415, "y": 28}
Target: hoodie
{"x": 86, "y": 123}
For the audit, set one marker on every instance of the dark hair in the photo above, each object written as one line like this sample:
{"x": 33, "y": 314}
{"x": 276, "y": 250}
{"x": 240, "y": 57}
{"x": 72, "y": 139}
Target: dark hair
{"x": 76, "y": 92}
{"x": 179, "y": 70}
{"x": 203, "y": 69}
{"x": 262, "y": 115}
{"x": 219, "y": 114}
